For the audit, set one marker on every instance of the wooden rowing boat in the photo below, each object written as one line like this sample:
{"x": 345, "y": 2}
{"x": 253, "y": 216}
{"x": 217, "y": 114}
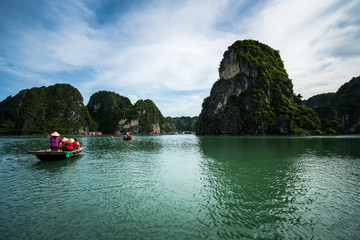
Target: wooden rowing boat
{"x": 48, "y": 155}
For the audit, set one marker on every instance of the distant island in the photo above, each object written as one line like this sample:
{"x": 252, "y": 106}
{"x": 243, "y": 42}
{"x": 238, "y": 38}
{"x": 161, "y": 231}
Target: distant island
{"x": 60, "y": 107}
{"x": 253, "y": 96}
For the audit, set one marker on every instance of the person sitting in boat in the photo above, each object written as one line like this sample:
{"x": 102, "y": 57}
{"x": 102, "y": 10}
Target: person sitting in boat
{"x": 70, "y": 145}
{"x": 64, "y": 143}
{"x": 76, "y": 144}
{"x": 54, "y": 141}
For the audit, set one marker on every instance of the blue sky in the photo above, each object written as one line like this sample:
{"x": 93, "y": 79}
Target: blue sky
{"x": 169, "y": 51}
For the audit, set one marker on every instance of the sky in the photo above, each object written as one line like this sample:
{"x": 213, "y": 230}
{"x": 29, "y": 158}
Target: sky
{"x": 170, "y": 51}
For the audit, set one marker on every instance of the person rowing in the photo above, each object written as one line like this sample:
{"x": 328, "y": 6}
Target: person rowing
{"x": 54, "y": 141}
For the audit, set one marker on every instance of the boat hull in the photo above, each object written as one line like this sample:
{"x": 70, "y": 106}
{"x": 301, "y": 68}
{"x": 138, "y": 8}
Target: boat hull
{"x": 48, "y": 155}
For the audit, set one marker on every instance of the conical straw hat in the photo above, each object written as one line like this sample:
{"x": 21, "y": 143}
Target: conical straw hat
{"x": 71, "y": 140}
{"x": 55, "y": 134}
{"x": 64, "y": 139}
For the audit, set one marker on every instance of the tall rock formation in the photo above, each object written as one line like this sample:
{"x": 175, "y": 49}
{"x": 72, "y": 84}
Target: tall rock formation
{"x": 321, "y": 103}
{"x": 43, "y": 109}
{"x": 320, "y": 100}
{"x": 150, "y": 118}
{"x": 108, "y": 108}
{"x": 339, "y": 112}
{"x": 347, "y": 104}
{"x": 254, "y": 95}
{"x": 113, "y": 112}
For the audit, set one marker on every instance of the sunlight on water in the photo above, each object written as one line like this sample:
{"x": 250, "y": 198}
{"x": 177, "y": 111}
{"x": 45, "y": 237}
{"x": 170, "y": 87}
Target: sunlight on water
{"x": 183, "y": 187}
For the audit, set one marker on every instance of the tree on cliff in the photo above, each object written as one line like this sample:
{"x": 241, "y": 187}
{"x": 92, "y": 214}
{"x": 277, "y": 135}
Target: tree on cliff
{"x": 150, "y": 117}
{"x": 108, "y": 108}
{"x": 178, "y": 124}
{"x": 321, "y": 103}
{"x": 41, "y": 109}
{"x": 346, "y": 102}
{"x": 254, "y": 95}
{"x": 340, "y": 111}
{"x": 113, "y": 112}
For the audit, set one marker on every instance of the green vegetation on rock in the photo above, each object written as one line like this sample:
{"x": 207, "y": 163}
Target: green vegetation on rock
{"x": 321, "y": 104}
{"x": 254, "y": 95}
{"x": 347, "y": 104}
{"x": 179, "y": 124}
{"x": 108, "y": 108}
{"x": 150, "y": 117}
{"x": 113, "y": 112}
{"x": 320, "y": 100}
{"x": 340, "y": 111}
{"x": 42, "y": 109}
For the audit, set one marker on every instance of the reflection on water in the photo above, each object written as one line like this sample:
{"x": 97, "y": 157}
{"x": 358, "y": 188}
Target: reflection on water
{"x": 183, "y": 187}
{"x": 281, "y": 187}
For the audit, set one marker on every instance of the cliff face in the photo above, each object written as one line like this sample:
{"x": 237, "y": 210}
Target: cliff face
{"x": 38, "y": 110}
{"x": 108, "y": 108}
{"x": 254, "y": 95}
{"x": 178, "y": 124}
{"x": 346, "y": 102}
{"x": 321, "y": 104}
{"x": 114, "y": 112}
{"x": 150, "y": 118}
{"x": 60, "y": 107}
{"x": 320, "y": 100}
{"x": 339, "y": 112}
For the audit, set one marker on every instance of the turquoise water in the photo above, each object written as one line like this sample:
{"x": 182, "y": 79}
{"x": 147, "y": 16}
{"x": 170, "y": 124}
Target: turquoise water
{"x": 183, "y": 187}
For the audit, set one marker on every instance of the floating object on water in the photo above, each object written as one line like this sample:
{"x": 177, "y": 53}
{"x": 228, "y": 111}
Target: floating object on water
{"x": 48, "y": 155}
{"x": 126, "y": 136}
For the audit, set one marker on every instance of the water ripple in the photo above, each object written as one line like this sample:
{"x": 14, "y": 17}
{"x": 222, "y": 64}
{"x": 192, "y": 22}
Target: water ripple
{"x": 183, "y": 187}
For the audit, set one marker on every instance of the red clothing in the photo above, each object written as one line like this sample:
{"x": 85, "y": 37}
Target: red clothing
{"x": 69, "y": 146}
{"x": 63, "y": 146}
{"x": 76, "y": 145}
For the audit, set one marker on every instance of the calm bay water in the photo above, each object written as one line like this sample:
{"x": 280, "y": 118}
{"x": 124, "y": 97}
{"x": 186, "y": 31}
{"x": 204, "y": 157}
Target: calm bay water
{"x": 183, "y": 187}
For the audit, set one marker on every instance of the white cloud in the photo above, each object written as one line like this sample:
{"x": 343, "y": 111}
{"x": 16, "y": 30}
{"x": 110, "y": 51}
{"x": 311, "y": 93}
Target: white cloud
{"x": 186, "y": 105}
{"x": 133, "y": 98}
{"x": 166, "y": 49}
{"x": 308, "y": 33}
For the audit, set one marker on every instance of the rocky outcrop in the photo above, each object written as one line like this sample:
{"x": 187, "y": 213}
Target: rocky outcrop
{"x": 320, "y": 100}
{"x": 346, "y": 102}
{"x": 339, "y": 112}
{"x": 321, "y": 104}
{"x": 150, "y": 117}
{"x": 114, "y": 112}
{"x": 44, "y": 109}
{"x": 132, "y": 124}
{"x": 108, "y": 108}
{"x": 180, "y": 124}
{"x": 254, "y": 95}
{"x": 60, "y": 107}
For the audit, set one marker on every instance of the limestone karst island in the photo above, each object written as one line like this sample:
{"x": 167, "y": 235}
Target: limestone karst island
{"x": 253, "y": 95}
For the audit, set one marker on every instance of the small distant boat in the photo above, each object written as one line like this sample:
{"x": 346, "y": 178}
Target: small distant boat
{"x": 48, "y": 155}
{"x": 126, "y": 136}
